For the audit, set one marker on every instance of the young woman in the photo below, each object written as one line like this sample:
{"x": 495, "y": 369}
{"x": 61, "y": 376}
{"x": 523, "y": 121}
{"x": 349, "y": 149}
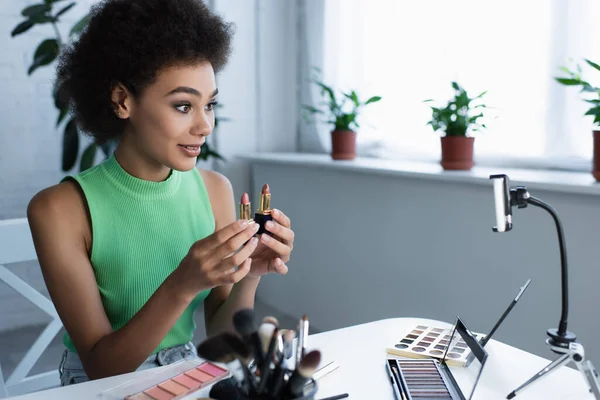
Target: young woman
{"x": 131, "y": 247}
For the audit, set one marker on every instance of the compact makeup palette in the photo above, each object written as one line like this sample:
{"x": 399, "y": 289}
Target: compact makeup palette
{"x": 433, "y": 379}
{"x": 183, "y": 384}
{"x": 424, "y": 341}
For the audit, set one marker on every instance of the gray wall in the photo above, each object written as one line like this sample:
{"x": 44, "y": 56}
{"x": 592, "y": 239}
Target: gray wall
{"x": 370, "y": 246}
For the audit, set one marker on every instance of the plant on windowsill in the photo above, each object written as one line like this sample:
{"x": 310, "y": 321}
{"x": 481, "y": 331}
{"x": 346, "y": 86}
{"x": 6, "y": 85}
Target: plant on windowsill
{"x": 343, "y": 119}
{"x": 45, "y": 54}
{"x": 458, "y": 120}
{"x": 575, "y": 79}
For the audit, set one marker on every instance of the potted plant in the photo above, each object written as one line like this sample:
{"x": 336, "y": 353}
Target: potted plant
{"x": 343, "y": 119}
{"x": 574, "y": 79}
{"x": 458, "y": 120}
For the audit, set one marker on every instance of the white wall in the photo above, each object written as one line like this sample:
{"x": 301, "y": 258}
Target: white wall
{"x": 370, "y": 247}
{"x": 257, "y": 89}
{"x": 30, "y": 146}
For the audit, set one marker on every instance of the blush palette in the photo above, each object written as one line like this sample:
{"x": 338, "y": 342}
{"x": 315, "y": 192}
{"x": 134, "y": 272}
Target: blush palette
{"x": 183, "y": 384}
{"x": 424, "y": 341}
{"x": 170, "y": 382}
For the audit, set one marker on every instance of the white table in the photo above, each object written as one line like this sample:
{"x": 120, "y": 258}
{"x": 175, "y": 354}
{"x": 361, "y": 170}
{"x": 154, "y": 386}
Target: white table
{"x": 360, "y": 352}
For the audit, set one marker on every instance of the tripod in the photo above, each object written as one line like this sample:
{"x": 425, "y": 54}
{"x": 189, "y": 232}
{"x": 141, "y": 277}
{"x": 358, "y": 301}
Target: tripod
{"x": 574, "y": 353}
{"x": 561, "y": 341}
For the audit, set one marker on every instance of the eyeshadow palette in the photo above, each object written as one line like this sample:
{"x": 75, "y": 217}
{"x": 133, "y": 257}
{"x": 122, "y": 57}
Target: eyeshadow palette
{"x": 183, "y": 384}
{"x": 430, "y": 342}
{"x": 433, "y": 379}
{"x": 422, "y": 379}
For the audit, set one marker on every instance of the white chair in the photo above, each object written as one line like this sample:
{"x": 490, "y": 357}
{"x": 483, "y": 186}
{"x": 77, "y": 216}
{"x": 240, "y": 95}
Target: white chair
{"x": 16, "y": 245}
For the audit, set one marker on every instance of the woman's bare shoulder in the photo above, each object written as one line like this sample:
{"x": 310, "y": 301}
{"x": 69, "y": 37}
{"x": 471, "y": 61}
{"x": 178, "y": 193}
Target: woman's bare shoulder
{"x": 59, "y": 209}
{"x": 220, "y": 193}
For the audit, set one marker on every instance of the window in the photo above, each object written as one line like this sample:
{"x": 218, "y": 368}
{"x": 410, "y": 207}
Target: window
{"x": 409, "y": 51}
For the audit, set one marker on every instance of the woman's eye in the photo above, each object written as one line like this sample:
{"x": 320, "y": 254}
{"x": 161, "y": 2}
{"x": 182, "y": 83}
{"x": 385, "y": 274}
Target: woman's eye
{"x": 184, "y": 108}
{"x": 211, "y": 106}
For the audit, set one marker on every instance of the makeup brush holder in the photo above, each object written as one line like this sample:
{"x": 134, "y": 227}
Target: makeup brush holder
{"x": 309, "y": 390}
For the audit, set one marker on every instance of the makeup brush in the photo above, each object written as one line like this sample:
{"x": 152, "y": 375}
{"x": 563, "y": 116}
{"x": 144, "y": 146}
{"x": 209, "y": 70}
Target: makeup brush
{"x": 288, "y": 343}
{"x": 225, "y": 347}
{"x": 271, "y": 320}
{"x": 303, "y": 372}
{"x": 302, "y": 337}
{"x": 227, "y": 389}
{"x": 264, "y": 368}
{"x": 243, "y": 321}
{"x": 265, "y": 332}
{"x": 278, "y": 375}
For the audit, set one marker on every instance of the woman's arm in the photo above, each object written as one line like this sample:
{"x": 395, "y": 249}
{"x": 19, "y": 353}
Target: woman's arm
{"x": 58, "y": 219}
{"x": 223, "y": 301}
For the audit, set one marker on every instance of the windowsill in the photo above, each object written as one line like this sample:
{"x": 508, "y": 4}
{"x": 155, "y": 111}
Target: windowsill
{"x": 557, "y": 181}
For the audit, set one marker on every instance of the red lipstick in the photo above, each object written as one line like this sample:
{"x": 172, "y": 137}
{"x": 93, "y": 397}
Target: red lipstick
{"x": 245, "y": 209}
{"x": 263, "y": 214}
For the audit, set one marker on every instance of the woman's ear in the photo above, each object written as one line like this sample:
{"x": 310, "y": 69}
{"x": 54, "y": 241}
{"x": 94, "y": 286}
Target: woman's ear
{"x": 122, "y": 101}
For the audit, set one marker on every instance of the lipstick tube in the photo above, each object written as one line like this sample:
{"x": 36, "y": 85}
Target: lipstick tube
{"x": 245, "y": 208}
{"x": 263, "y": 214}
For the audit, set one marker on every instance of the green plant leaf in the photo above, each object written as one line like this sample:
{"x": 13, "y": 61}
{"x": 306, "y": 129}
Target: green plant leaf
{"x": 22, "y": 27}
{"x": 312, "y": 109}
{"x": 593, "y": 111}
{"x": 332, "y": 100}
{"x": 593, "y": 101}
{"x": 373, "y": 100}
{"x": 45, "y": 53}
{"x": 61, "y": 97}
{"x": 88, "y": 157}
{"x": 569, "y": 81}
{"x": 61, "y": 116}
{"x": 589, "y": 88}
{"x": 352, "y": 96}
{"x": 70, "y": 146}
{"x": 64, "y": 10}
{"x": 42, "y": 19}
{"x": 35, "y": 9}
{"x": 79, "y": 26}
{"x": 593, "y": 64}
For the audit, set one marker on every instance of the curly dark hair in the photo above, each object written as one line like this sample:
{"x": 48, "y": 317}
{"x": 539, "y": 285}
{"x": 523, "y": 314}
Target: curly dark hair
{"x": 130, "y": 41}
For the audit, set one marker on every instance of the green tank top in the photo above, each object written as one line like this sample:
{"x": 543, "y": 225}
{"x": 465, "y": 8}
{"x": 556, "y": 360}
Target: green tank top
{"x": 141, "y": 230}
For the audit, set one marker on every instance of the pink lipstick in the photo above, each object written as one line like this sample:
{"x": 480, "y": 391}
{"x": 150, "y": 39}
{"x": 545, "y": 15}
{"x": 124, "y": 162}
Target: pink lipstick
{"x": 245, "y": 208}
{"x": 263, "y": 214}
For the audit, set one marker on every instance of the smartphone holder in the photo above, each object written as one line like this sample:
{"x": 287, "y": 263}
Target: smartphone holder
{"x": 560, "y": 340}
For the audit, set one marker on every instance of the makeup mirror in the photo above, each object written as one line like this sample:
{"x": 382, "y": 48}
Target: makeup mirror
{"x": 461, "y": 340}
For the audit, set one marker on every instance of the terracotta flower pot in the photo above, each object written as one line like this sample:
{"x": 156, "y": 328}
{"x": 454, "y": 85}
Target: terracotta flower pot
{"x": 457, "y": 152}
{"x": 343, "y": 145}
{"x": 596, "y": 156}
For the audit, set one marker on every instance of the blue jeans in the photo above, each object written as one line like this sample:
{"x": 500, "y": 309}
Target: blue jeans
{"x": 71, "y": 369}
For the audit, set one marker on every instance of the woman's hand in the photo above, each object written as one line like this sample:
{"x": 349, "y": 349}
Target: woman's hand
{"x": 274, "y": 251}
{"x": 219, "y": 259}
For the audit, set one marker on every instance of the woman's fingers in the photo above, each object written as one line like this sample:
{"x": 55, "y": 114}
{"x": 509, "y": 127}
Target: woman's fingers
{"x": 280, "y": 217}
{"x": 278, "y": 266}
{"x": 234, "y": 276}
{"x": 280, "y": 230}
{"x": 233, "y": 244}
{"x": 283, "y": 250}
